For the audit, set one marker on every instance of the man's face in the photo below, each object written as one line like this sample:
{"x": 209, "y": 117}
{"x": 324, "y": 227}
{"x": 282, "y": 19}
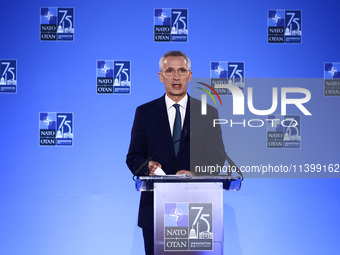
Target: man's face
{"x": 175, "y": 76}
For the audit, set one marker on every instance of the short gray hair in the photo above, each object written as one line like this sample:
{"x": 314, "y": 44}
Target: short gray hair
{"x": 174, "y": 53}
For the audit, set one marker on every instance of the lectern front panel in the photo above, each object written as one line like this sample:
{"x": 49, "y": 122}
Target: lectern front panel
{"x": 188, "y": 218}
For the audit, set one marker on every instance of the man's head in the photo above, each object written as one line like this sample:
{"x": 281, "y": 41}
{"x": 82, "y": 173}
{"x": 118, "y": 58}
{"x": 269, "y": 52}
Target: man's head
{"x": 175, "y": 73}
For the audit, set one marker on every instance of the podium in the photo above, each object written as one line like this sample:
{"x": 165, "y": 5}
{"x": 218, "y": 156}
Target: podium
{"x": 188, "y": 212}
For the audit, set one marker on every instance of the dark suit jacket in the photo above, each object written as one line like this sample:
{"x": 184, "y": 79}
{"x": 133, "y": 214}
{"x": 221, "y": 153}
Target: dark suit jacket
{"x": 151, "y": 135}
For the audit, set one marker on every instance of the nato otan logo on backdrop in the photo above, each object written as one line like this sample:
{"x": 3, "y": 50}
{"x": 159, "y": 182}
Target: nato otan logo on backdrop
{"x": 170, "y": 25}
{"x": 56, "y": 24}
{"x": 226, "y": 73}
{"x": 113, "y": 77}
{"x": 188, "y": 227}
{"x": 56, "y": 129}
{"x": 332, "y": 79}
{"x": 284, "y": 131}
{"x": 284, "y": 26}
{"x": 8, "y": 80}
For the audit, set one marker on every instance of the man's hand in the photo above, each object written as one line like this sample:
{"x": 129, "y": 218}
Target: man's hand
{"x": 153, "y": 165}
{"x": 185, "y": 172}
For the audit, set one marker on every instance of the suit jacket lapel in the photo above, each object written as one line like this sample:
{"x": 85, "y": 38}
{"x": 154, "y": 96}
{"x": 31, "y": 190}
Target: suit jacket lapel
{"x": 161, "y": 115}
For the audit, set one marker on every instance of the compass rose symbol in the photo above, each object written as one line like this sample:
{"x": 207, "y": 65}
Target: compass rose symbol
{"x": 105, "y": 68}
{"x": 276, "y": 18}
{"x": 218, "y": 70}
{"x": 176, "y": 214}
{"x": 48, "y": 15}
{"x": 332, "y": 71}
{"x": 48, "y": 121}
{"x": 162, "y": 16}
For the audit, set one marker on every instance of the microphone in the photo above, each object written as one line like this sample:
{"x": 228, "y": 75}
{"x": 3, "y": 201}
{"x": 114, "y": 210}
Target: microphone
{"x": 185, "y": 130}
{"x": 233, "y": 165}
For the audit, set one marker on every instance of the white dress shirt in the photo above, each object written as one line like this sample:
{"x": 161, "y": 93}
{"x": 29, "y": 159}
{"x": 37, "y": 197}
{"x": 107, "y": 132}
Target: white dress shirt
{"x": 172, "y": 110}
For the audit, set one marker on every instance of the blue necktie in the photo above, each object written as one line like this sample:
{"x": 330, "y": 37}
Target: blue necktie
{"x": 177, "y": 128}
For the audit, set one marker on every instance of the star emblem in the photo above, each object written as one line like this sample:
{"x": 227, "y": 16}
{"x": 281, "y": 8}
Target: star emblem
{"x": 105, "y": 68}
{"x": 176, "y": 214}
{"x": 48, "y": 15}
{"x": 219, "y": 69}
{"x": 276, "y": 18}
{"x": 332, "y": 71}
{"x": 162, "y": 16}
{"x": 47, "y": 121}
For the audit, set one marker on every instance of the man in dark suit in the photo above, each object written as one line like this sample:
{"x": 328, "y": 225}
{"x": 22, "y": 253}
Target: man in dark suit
{"x": 159, "y": 124}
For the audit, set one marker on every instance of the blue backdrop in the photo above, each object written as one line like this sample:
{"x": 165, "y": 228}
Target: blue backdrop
{"x": 81, "y": 199}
